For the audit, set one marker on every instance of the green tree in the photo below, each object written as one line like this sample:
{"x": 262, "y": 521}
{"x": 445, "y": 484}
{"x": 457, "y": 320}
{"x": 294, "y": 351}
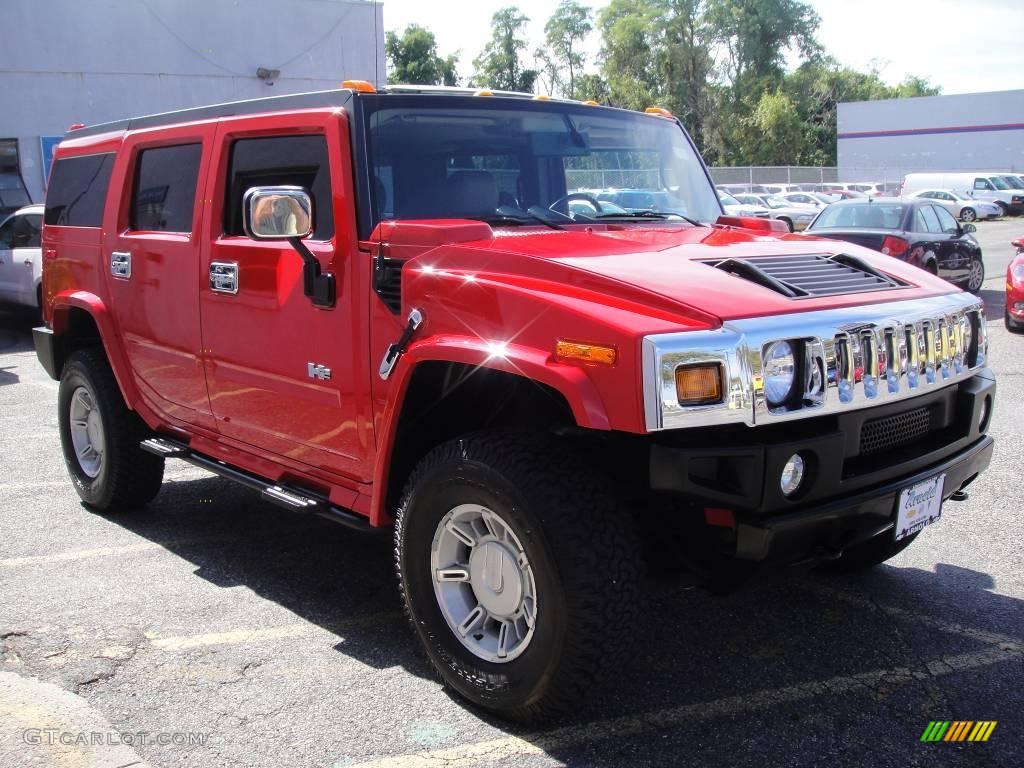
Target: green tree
{"x": 500, "y": 65}
{"x": 413, "y": 58}
{"x": 564, "y": 34}
{"x": 592, "y": 87}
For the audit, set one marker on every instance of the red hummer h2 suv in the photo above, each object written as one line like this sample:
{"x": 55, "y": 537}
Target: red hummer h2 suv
{"x": 412, "y": 310}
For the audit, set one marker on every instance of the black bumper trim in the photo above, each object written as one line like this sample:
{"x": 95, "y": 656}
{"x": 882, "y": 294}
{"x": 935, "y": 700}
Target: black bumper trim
{"x": 832, "y": 527}
{"x": 46, "y": 350}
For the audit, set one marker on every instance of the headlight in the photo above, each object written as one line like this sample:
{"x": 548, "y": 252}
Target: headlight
{"x": 1018, "y": 272}
{"x": 779, "y": 372}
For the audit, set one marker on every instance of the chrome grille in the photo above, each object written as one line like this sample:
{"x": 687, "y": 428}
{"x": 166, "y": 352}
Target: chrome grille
{"x": 870, "y": 355}
{"x": 889, "y": 432}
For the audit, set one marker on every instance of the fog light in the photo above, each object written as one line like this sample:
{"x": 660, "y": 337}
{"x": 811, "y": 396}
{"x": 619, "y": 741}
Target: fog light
{"x": 792, "y": 475}
{"x": 983, "y": 414}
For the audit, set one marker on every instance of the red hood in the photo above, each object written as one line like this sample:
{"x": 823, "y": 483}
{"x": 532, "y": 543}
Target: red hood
{"x": 655, "y": 266}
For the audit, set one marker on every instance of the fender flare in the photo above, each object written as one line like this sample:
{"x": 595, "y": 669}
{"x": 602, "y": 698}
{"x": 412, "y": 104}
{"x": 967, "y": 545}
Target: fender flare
{"x": 97, "y": 310}
{"x": 569, "y": 381}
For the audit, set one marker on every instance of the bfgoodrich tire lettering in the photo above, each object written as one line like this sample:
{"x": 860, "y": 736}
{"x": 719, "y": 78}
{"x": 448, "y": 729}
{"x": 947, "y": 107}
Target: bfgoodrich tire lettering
{"x": 127, "y": 476}
{"x": 582, "y": 552}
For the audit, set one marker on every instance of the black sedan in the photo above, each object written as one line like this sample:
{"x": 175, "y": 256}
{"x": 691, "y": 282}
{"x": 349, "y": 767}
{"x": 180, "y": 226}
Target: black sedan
{"x": 915, "y": 231}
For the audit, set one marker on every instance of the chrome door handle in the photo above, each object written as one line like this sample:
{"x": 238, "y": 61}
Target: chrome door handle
{"x": 224, "y": 277}
{"x": 121, "y": 264}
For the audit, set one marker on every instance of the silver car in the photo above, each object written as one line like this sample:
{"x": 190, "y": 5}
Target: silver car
{"x": 796, "y": 217}
{"x": 964, "y": 208}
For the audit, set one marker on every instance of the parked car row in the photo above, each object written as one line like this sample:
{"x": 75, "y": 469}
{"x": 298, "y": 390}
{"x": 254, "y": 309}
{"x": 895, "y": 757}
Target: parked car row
{"x": 1004, "y": 190}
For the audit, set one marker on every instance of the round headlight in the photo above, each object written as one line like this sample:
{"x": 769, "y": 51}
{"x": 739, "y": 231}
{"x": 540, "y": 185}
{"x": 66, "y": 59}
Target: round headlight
{"x": 779, "y": 372}
{"x": 792, "y": 475}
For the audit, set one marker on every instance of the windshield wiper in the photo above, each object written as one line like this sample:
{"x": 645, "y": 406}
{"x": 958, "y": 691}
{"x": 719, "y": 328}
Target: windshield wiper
{"x": 646, "y": 215}
{"x": 520, "y": 219}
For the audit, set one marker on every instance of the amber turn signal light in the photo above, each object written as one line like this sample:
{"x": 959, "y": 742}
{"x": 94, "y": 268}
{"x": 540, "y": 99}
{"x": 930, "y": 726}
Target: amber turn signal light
{"x": 585, "y": 353}
{"x": 699, "y": 384}
{"x": 362, "y": 86}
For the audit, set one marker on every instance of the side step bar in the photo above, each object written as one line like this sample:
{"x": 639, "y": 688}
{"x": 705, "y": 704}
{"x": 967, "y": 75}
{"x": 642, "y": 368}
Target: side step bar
{"x": 293, "y": 499}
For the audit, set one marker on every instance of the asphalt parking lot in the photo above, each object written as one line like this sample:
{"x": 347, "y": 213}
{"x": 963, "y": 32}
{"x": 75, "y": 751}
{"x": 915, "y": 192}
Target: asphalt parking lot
{"x": 247, "y": 637}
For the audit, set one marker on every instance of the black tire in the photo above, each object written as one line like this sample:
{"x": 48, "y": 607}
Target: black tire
{"x": 582, "y": 549}
{"x": 787, "y": 222}
{"x": 968, "y": 214}
{"x": 1004, "y": 209}
{"x": 128, "y": 476}
{"x": 869, "y": 553}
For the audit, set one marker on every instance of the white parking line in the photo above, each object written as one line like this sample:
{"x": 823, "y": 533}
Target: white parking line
{"x": 81, "y": 554}
{"x": 484, "y": 752}
{"x": 238, "y": 636}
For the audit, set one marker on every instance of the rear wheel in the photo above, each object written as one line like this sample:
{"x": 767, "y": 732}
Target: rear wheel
{"x": 968, "y": 214}
{"x": 518, "y": 572}
{"x": 1003, "y": 207}
{"x": 787, "y": 222}
{"x": 100, "y": 438}
{"x": 976, "y": 276}
{"x": 870, "y": 553}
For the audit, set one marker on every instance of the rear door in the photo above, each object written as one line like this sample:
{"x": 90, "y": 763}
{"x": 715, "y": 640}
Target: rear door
{"x": 20, "y": 257}
{"x": 152, "y": 266}
{"x": 7, "y": 271}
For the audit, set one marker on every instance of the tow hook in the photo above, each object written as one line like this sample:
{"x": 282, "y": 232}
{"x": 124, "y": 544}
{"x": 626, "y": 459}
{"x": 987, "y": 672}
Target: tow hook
{"x": 394, "y": 351}
{"x": 958, "y": 496}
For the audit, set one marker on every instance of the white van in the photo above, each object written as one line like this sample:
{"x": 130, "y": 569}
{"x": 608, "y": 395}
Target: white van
{"x": 979, "y": 185}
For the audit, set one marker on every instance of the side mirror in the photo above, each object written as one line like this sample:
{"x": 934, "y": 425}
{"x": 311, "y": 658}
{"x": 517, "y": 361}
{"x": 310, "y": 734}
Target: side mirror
{"x": 286, "y": 213}
{"x": 968, "y": 228}
{"x": 277, "y": 213}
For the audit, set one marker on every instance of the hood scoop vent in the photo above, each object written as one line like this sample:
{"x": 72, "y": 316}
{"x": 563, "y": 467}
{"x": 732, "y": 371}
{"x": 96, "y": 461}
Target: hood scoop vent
{"x": 809, "y": 275}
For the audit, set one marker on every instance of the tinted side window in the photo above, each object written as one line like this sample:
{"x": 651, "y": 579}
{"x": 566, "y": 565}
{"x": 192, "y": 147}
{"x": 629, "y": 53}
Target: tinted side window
{"x": 981, "y": 184}
{"x": 946, "y": 221}
{"x": 931, "y": 221}
{"x": 292, "y": 160}
{"x": 78, "y": 190}
{"x": 164, "y": 192}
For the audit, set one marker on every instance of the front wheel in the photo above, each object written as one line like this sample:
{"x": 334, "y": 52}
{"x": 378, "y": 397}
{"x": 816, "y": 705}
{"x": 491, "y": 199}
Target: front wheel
{"x": 519, "y": 572}
{"x": 100, "y": 438}
{"x": 968, "y": 214}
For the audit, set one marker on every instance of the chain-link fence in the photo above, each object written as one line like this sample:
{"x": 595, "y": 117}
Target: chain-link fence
{"x": 613, "y": 178}
{"x": 803, "y": 174}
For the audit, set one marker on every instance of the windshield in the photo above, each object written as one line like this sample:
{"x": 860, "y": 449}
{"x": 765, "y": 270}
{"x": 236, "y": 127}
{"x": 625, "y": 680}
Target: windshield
{"x": 998, "y": 183}
{"x": 728, "y": 199}
{"x": 776, "y": 202}
{"x": 512, "y": 163}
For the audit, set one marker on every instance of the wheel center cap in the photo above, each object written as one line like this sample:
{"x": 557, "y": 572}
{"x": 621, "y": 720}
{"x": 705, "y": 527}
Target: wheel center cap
{"x": 496, "y": 579}
{"x": 94, "y": 431}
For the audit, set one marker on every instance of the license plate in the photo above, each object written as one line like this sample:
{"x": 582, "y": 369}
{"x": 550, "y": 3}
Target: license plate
{"x": 919, "y": 505}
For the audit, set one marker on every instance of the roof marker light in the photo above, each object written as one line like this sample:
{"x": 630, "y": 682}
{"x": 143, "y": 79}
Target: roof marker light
{"x": 483, "y": 92}
{"x": 362, "y": 86}
{"x": 591, "y": 103}
{"x": 658, "y": 111}
{"x": 541, "y": 97}
{"x": 76, "y": 126}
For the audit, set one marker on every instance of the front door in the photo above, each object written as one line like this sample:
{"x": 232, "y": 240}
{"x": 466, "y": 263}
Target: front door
{"x": 152, "y": 267}
{"x": 286, "y": 377}
{"x": 20, "y": 257}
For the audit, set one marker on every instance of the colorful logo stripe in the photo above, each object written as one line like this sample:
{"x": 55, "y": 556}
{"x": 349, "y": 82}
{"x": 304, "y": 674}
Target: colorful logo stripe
{"x": 958, "y": 730}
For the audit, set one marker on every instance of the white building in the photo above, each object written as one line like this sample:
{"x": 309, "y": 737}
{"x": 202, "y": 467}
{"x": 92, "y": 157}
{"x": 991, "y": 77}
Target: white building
{"x": 971, "y": 131}
{"x": 79, "y": 61}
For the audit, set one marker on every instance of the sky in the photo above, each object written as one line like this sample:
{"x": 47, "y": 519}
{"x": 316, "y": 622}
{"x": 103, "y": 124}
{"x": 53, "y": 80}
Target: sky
{"x": 963, "y": 46}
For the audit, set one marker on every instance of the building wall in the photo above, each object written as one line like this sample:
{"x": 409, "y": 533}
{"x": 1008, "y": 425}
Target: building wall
{"x": 974, "y": 131}
{"x": 90, "y": 61}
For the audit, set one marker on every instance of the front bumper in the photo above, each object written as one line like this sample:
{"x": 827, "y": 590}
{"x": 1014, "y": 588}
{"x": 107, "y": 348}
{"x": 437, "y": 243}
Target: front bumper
{"x": 827, "y": 530}
{"x": 851, "y": 490}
